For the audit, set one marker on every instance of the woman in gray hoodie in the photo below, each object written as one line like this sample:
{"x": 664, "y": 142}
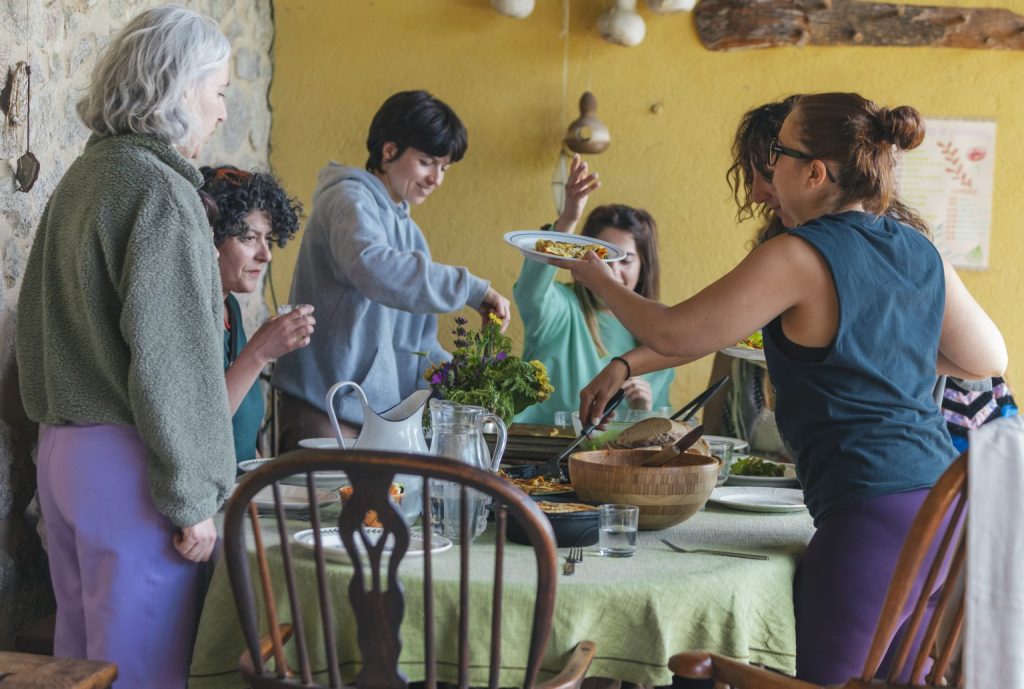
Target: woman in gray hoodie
{"x": 365, "y": 266}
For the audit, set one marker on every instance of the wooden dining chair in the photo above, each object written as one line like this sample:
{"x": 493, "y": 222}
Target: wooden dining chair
{"x": 941, "y": 643}
{"x": 376, "y": 595}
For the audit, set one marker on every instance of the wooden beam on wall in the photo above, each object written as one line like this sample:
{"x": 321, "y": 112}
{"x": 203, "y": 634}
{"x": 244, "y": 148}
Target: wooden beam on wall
{"x": 746, "y": 24}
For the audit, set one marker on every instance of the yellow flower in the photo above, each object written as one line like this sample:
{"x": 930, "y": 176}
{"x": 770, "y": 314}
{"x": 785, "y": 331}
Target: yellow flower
{"x": 494, "y": 319}
{"x": 544, "y": 386}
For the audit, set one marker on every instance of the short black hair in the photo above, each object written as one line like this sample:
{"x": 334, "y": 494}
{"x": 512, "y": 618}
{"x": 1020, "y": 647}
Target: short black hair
{"x": 415, "y": 119}
{"x": 230, "y": 194}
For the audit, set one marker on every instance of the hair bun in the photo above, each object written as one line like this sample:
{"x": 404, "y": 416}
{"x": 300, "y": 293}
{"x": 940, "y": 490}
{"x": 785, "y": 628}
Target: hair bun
{"x": 902, "y": 127}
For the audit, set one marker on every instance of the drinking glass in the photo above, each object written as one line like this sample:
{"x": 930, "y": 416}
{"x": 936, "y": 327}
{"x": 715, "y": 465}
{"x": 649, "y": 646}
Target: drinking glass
{"x": 618, "y": 525}
{"x": 722, "y": 449}
{"x": 282, "y": 309}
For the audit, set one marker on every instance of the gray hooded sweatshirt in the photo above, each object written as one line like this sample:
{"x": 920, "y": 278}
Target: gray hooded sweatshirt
{"x": 366, "y": 268}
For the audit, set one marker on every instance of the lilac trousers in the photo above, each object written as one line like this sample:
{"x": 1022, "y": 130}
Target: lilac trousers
{"x": 841, "y": 584}
{"x": 124, "y": 594}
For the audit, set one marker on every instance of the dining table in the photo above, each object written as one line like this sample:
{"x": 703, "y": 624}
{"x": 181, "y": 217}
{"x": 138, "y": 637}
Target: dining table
{"x": 638, "y": 611}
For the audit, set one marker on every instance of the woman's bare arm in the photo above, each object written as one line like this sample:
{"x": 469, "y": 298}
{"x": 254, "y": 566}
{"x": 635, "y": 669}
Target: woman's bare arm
{"x": 971, "y": 345}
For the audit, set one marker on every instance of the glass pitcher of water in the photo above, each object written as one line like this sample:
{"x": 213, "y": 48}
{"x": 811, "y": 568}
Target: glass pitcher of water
{"x": 458, "y": 433}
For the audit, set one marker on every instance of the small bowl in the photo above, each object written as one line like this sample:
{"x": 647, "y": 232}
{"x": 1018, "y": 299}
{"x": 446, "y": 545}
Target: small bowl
{"x": 666, "y": 496}
{"x": 572, "y": 529}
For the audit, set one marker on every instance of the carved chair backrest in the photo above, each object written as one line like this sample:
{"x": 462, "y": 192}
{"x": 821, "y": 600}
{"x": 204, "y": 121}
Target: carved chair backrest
{"x": 374, "y": 592}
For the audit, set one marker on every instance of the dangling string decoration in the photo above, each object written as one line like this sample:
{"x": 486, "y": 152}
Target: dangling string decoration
{"x": 561, "y": 173}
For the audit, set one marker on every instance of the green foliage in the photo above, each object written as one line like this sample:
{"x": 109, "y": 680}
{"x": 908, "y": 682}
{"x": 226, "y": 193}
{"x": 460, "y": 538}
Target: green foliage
{"x": 484, "y": 374}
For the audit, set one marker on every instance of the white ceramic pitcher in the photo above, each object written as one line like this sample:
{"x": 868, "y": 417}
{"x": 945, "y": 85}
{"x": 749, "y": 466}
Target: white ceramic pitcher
{"x": 399, "y": 428}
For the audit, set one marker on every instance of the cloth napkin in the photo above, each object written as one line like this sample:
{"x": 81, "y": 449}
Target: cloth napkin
{"x": 994, "y": 633}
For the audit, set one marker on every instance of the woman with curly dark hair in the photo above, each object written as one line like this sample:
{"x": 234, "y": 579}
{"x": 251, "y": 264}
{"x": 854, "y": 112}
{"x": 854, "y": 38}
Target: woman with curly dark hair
{"x": 248, "y": 212}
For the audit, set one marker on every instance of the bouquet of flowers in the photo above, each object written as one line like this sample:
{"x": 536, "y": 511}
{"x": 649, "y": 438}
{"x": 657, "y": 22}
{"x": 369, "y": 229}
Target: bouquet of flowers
{"x": 483, "y": 373}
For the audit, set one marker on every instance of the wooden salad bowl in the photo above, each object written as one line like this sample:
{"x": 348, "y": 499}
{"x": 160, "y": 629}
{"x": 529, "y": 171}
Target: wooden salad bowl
{"x": 666, "y": 495}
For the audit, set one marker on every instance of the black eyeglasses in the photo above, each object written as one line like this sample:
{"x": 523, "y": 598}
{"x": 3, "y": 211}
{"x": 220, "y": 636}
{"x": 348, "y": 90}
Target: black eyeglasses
{"x": 775, "y": 149}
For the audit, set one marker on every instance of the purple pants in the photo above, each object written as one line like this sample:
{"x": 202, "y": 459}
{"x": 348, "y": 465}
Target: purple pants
{"x": 841, "y": 584}
{"x": 124, "y": 594}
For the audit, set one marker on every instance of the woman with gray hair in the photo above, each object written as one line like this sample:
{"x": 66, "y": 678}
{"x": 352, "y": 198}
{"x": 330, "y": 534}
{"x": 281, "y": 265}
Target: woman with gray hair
{"x": 119, "y": 349}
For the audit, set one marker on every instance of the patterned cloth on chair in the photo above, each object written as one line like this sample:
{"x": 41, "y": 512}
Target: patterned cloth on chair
{"x": 968, "y": 405}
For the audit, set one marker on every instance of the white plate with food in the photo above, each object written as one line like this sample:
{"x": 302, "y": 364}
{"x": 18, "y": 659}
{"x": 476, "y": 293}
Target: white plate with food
{"x": 319, "y": 443}
{"x": 758, "y": 471}
{"x": 334, "y": 549}
{"x": 292, "y": 498}
{"x": 324, "y": 480}
{"x": 750, "y": 348}
{"x": 757, "y": 499}
{"x": 548, "y": 246}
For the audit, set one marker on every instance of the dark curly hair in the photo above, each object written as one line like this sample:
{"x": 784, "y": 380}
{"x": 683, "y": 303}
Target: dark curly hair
{"x": 230, "y": 194}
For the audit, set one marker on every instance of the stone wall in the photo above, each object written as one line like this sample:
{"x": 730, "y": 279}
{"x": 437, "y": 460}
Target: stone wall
{"x": 60, "y": 40}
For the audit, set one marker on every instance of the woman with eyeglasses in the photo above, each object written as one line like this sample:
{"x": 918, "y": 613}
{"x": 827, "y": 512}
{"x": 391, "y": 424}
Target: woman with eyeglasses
{"x": 119, "y": 352}
{"x": 249, "y": 212}
{"x": 859, "y": 312}
{"x": 742, "y": 412}
{"x": 567, "y": 327}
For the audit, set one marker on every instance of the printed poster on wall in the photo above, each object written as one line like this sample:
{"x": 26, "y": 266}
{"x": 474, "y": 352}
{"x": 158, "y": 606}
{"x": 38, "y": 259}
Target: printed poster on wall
{"x": 948, "y": 179}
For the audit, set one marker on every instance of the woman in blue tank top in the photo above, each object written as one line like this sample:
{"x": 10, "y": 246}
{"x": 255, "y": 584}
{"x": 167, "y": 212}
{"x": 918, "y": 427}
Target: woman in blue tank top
{"x": 861, "y": 314}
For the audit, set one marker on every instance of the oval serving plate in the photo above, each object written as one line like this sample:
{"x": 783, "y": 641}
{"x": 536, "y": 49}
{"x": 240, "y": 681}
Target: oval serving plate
{"x": 293, "y": 498}
{"x": 526, "y": 240}
{"x": 748, "y": 353}
{"x": 755, "y": 499}
{"x": 334, "y": 549}
{"x": 325, "y": 480}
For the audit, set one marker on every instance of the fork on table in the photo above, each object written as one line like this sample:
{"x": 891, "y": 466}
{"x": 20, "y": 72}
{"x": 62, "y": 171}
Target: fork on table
{"x": 575, "y": 555}
{"x": 726, "y": 553}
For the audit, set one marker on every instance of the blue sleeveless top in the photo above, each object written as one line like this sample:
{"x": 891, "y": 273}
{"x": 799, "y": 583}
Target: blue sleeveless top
{"x": 862, "y": 421}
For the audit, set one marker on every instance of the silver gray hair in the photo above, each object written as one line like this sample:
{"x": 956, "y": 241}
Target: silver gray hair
{"x": 139, "y": 84}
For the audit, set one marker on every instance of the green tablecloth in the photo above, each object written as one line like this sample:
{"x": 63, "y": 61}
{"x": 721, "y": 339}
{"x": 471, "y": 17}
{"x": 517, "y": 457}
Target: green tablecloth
{"x": 639, "y": 611}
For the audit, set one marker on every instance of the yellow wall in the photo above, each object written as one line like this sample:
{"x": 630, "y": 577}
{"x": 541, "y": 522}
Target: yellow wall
{"x": 336, "y": 61}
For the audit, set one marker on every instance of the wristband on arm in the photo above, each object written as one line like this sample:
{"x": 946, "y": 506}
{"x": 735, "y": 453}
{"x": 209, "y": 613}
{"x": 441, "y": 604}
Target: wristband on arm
{"x": 629, "y": 370}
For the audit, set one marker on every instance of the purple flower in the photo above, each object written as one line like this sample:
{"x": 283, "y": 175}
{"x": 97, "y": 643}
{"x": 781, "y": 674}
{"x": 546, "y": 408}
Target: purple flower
{"x": 460, "y": 320}
{"x": 437, "y": 378}
{"x": 501, "y": 356}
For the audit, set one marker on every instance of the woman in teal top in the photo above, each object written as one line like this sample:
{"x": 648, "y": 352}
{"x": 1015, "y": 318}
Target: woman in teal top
{"x": 248, "y": 212}
{"x": 570, "y": 329}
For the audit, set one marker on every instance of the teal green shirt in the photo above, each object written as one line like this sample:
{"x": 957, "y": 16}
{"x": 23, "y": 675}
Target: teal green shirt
{"x": 557, "y": 334}
{"x": 249, "y": 417}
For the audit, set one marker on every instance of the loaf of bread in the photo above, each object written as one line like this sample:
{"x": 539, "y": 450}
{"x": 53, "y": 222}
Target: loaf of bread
{"x": 655, "y": 432}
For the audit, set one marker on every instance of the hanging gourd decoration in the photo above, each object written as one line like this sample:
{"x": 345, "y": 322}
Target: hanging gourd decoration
{"x": 621, "y": 24}
{"x": 513, "y": 8}
{"x": 587, "y": 134}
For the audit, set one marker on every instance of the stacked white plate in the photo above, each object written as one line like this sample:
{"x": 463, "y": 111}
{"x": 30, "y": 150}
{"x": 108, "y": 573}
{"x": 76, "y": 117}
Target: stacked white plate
{"x": 324, "y": 480}
{"x": 334, "y": 549}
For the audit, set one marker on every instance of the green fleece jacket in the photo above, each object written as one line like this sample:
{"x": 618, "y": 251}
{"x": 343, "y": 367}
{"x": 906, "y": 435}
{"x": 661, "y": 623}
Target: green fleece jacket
{"x": 120, "y": 318}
